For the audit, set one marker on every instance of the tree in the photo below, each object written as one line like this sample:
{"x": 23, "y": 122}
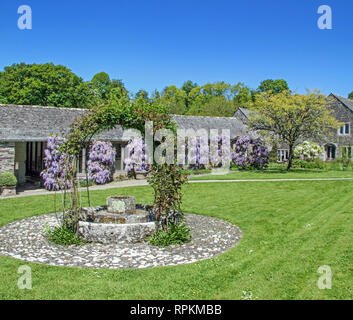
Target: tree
{"x": 101, "y": 82}
{"x": 103, "y": 89}
{"x": 292, "y": 118}
{"x": 142, "y": 94}
{"x": 276, "y": 86}
{"x": 218, "y": 99}
{"x": 118, "y": 91}
{"x": 44, "y": 85}
{"x": 174, "y": 99}
{"x": 188, "y": 86}
{"x": 350, "y": 96}
{"x": 213, "y": 107}
{"x": 242, "y": 96}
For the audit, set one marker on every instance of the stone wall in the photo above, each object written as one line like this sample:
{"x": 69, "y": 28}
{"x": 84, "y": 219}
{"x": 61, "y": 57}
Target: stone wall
{"x": 7, "y": 157}
{"x": 343, "y": 115}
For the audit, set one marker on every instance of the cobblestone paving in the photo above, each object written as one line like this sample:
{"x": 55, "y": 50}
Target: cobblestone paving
{"x": 26, "y": 240}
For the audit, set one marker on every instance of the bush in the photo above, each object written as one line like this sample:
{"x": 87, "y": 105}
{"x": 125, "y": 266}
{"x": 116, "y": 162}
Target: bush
{"x": 315, "y": 164}
{"x": 83, "y": 184}
{"x": 341, "y": 164}
{"x": 308, "y": 150}
{"x": 177, "y": 234}
{"x": 63, "y": 236}
{"x": 7, "y": 179}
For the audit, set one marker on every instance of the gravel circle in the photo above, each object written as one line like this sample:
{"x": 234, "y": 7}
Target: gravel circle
{"x": 26, "y": 240}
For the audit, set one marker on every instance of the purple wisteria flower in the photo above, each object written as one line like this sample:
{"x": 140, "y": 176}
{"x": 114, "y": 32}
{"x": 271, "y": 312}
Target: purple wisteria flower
{"x": 54, "y": 174}
{"x": 101, "y": 162}
{"x": 250, "y": 152}
{"x": 136, "y": 156}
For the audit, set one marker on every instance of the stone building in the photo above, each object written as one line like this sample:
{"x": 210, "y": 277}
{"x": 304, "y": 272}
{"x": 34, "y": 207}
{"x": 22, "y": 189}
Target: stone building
{"x": 339, "y": 144}
{"x": 25, "y": 129}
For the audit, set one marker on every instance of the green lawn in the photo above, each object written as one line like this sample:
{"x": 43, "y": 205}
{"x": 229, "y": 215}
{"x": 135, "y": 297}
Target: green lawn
{"x": 278, "y": 174}
{"x": 290, "y": 229}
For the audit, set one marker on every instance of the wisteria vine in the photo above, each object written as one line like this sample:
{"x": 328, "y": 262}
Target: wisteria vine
{"x": 101, "y": 162}
{"x": 99, "y": 166}
{"x": 54, "y": 175}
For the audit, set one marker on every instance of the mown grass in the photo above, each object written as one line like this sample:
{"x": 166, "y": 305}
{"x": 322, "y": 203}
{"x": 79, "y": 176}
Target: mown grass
{"x": 278, "y": 173}
{"x": 290, "y": 229}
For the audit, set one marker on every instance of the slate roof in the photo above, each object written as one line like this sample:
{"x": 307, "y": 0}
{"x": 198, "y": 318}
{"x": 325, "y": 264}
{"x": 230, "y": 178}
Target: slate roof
{"x": 36, "y": 123}
{"x": 193, "y": 122}
{"x": 247, "y": 113}
{"x": 347, "y": 102}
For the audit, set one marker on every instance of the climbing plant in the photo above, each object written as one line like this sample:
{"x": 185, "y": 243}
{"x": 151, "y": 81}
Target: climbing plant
{"x": 101, "y": 162}
{"x": 167, "y": 181}
{"x": 128, "y": 115}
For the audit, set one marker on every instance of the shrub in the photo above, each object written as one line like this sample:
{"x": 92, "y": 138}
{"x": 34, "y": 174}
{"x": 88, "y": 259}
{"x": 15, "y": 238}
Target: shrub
{"x": 341, "y": 164}
{"x": 313, "y": 164}
{"x": 7, "y": 179}
{"x": 63, "y": 236}
{"x": 308, "y": 150}
{"x": 84, "y": 184}
{"x": 177, "y": 234}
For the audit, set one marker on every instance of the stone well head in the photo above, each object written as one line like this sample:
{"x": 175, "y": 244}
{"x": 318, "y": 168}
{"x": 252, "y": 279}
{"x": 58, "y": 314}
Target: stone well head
{"x": 121, "y": 204}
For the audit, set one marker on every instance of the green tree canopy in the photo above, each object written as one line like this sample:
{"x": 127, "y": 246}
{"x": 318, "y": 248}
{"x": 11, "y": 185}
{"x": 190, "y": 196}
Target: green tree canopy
{"x": 203, "y": 100}
{"x": 101, "y": 82}
{"x": 188, "y": 86}
{"x": 44, "y": 85}
{"x": 104, "y": 89}
{"x": 142, "y": 94}
{"x": 350, "y": 96}
{"x": 292, "y": 117}
{"x": 174, "y": 99}
{"x": 276, "y": 86}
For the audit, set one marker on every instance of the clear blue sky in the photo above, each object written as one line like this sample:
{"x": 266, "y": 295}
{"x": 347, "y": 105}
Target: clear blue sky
{"x": 151, "y": 44}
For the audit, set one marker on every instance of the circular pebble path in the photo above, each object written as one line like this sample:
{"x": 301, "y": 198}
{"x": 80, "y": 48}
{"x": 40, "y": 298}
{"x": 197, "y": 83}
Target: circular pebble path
{"x": 26, "y": 240}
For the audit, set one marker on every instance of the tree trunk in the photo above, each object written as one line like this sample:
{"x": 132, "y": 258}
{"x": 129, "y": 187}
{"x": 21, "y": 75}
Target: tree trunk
{"x": 291, "y": 157}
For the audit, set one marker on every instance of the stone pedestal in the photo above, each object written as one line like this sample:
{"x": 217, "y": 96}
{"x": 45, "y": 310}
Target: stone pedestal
{"x": 121, "y": 205}
{"x": 116, "y": 233}
{"x": 118, "y": 222}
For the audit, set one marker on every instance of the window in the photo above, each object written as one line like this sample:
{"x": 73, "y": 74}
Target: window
{"x": 345, "y": 129}
{"x": 283, "y": 155}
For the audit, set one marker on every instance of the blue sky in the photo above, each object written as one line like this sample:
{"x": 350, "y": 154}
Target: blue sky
{"x": 151, "y": 44}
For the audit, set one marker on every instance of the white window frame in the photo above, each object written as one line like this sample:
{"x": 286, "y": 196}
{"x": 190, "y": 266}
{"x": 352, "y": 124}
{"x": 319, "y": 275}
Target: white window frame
{"x": 283, "y": 155}
{"x": 344, "y": 129}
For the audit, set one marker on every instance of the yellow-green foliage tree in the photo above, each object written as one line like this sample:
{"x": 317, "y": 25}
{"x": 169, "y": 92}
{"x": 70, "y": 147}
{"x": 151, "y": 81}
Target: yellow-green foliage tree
{"x": 292, "y": 118}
